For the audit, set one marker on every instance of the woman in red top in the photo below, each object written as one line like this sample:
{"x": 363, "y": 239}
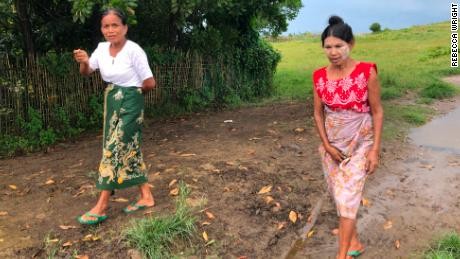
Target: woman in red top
{"x": 349, "y": 116}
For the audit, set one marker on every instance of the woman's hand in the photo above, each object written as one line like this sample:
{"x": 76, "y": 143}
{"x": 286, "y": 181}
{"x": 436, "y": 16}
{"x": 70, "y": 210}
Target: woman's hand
{"x": 80, "y": 56}
{"x": 372, "y": 161}
{"x": 335, "y": 153}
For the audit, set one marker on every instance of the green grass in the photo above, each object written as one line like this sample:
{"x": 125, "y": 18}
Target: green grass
{"x": 410, "y": 60}
{"x": 448, "y": 247}
{"x": 156, "y": 236}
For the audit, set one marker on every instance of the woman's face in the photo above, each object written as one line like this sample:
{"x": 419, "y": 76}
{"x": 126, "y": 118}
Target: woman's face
{"x": 337, "y": 50}
{"x": 113, "y": 29}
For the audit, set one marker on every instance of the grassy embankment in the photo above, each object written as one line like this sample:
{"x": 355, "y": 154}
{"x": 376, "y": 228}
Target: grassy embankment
{"x": 411, "y": 63}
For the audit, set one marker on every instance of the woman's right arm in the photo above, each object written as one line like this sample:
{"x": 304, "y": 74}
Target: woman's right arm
{"x": 82, "y": 58}
{"x": 318, "y": 114}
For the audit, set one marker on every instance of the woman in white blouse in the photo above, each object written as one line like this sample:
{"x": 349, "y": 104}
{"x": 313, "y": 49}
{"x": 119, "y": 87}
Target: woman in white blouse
{"x": 124, "y": 65}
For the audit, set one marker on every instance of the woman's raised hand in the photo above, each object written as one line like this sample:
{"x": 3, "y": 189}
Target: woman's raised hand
{"x": 80, "y": 56}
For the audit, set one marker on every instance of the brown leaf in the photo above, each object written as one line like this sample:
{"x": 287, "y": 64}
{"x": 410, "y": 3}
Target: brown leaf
{"x": 268, "y": 199}
{"x": 365, "y": 202}
{"x": 388, "y": 225}
{"x": 230, "y": 163}
{"x": 210, "y": 215}
{"x": 205, "y": 236}
{"x": 81, "y": 257}
{"x": 281, "y": 225}
{"x": 120, "y": 200}
{"x": 79, "y": 193}
{"x": 205, "y": 223}
{"x": 55, "y": 240}
{"x": 49, "y": 182}
{"x": 293, "y": 216}
{"x": 174, "y": 192}
{"x": 226, "y": 189}
{"x": 67, "y": 244}
{"x": 310, "y": 234}
{"x": 3, "y": 213}
{"x": 13, "y": 187}
{"x": 243, "y": 168}
{"x": 187, "y": 155}
{"x": 172, "y": 183}
{"x": 265, "y": 189}
{"x": 64, "y": 227}
{"x": 397, "y": 244}
{"x": 335, "y": 231}
{"x": 299, "y": 130}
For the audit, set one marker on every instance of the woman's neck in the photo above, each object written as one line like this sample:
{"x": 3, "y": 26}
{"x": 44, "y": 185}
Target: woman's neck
{"x": 118, "y": 45}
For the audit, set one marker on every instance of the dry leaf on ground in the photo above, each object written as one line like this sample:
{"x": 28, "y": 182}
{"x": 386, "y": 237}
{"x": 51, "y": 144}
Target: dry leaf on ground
{"x": 121, "y": 200}
{"x": 205, "y": 223}
{"x": 3, "y": 213}
{"x": 67, "y": 244}
{"x": 268, "y": 199}
{"x": 281, "y": 225}
{"x": 205, "y": 236}
{"x": 397, "y": 244}
{"x": 310, "y": 234}
{"x": 81, "y": 257}
{"x": 64, "y": 227}
{"x": 366, "y": 202}
{"x": 293, "y": 216}
{"x": 210, "y": 215}
{"x": 13, "y": 187}
{"x": 265, "y": 189}
{"x": 335, "y": 232}
{"x": 50, "y": 181}
{"x": 188, "y": 155}
{"x": 299, "y": 130}
{"x": 174, "y": 192}
{"x": 172, "y": 183}
{"x": 388, "y": 225}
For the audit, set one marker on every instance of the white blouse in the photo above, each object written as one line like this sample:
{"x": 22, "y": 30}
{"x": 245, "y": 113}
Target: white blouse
{"x": 128, "y": 68}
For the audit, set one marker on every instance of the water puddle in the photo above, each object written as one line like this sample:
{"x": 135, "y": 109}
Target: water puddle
{"x": 441, "y": 134}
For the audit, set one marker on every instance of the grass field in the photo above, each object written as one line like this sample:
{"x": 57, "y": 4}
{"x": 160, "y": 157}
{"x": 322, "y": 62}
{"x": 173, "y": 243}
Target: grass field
{"x": 410, "y": 60}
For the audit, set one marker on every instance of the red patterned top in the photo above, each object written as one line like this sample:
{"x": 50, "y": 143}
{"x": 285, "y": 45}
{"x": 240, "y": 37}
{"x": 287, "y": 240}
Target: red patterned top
{"x": 346, "y": 93}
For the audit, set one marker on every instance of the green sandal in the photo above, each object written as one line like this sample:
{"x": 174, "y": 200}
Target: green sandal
{"x": 355, "y": 253}
{"x": 133, "y": 207}
{"x": 99, "y": 219}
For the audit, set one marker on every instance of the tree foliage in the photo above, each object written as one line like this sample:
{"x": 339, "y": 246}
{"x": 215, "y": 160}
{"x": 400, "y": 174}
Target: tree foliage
{"x": 375, "y": 27}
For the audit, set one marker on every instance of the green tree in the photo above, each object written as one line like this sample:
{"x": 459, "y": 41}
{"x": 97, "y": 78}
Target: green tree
{"x": 375, "y": 27}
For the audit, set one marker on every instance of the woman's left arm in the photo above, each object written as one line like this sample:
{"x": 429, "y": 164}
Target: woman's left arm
{"x": 372, "y": 160}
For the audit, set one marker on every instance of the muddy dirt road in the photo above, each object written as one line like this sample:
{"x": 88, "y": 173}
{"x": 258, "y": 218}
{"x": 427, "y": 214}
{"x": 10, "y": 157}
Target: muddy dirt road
{"x": 226, "y": 164}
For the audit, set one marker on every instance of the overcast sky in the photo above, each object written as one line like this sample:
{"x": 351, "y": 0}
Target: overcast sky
{"x": 360, "y": 14}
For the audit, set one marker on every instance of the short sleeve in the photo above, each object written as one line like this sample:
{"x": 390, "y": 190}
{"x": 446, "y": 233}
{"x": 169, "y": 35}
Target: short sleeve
{"x": 94, "y": 59}
{"x": 141, "y": 64}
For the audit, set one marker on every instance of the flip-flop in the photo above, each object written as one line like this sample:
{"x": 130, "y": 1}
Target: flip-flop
{"x": 99, "y": 219}
{"x": 355, "y": 253}
{"x": 133, "y": 207}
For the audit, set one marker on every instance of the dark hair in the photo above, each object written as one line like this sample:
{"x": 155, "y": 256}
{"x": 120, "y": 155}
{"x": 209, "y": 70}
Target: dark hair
{"x": 116, "y": 12}
{"x": 338, "y": 28}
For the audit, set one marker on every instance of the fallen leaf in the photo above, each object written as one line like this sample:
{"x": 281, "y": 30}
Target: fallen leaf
{"x": 79, "y": 193}
{"x": 67, "y": 244}
{"x": 299, "y": 130}
{"x": 187, "y": 155}
{"x": 174, "y": 192}
{"x": 268, "y": 199}
{"x": 212, "y": 241}
{"x": 148, "y": 212}
{"x": 3, "y": 213}
{"x": 90, "y": 237}
{"x": 121, "y": 200}
{"x": 310, "y": 234}
{"x": 205, "y": 236}
{"x": 205, "y": 223}
{"x": 49, "y": 182}
{"x": 281, "y": 225}
{"x": 335, "y": 231}
{"x": 293, "y": 216}
{"x": 55, "y": 240}
{"x": 172, "y": 183}
{"x": 365, "y": 202}
{"x": 208, "y": 167}
{"x": 243, "y": 168}
{"x": 254, "y": 138}
{"x": 230, "y": 163}
{"x": 397, "y": 244}
{"x": 228, "y": 121}
{"x": 210, "y": 215}
{"x": 427, "y": 166}
{"x": 388, "y": 225}
{"x": 309, "y": 218}
{"x": 81, "y": 257}
{"x": 265, "y": 189}
{"x": 13, "y": 187}
{"x": 64, "y": 227}
{"x": 226, "y": 189}
{"x": 2, "y": 240}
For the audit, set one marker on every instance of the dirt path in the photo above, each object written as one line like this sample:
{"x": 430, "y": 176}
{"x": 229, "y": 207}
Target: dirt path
{"x": 226, "y": 164}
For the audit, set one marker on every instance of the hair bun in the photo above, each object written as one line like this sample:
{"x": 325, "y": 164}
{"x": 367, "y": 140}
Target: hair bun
{"x": 333, "y": 20}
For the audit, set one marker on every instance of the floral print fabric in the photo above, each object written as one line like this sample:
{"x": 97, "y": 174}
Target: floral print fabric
{"x": 122, "y": 164}
{"x": 352, "y": 133}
